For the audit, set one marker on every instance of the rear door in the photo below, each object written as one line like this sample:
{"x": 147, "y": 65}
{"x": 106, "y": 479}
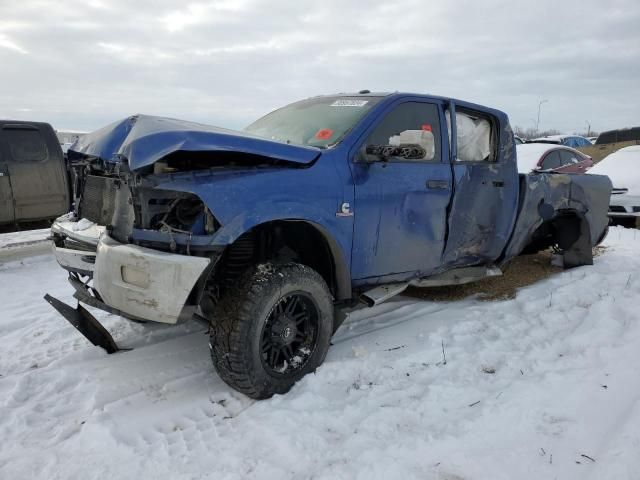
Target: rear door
{"x": 401, "y": 203}
{"x": 37, "y": 170}
{"x": 6, "y": 194}
{"x": 486, "y": 186}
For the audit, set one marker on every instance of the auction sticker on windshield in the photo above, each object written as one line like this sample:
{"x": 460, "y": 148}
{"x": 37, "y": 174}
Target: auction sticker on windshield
{"x": 345, "y": 102}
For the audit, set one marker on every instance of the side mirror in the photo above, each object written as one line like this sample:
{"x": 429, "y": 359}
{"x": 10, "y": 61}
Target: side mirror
{"x": 409, "y": 145}
{"x": 372, "y": 154}
{"x": 407, "y": 151}
{"x": 377, "y": 153}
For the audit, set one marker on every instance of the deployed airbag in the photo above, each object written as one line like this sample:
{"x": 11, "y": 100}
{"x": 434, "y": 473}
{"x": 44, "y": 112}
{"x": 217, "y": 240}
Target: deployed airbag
{"x": 473, "y": 137}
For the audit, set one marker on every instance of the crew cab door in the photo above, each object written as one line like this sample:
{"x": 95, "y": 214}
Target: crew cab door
{"x": 401, "y": 203}
{"x": 6, "y": 194}
{"x": 37, "y": 171}
{"x": 486, "y": 186}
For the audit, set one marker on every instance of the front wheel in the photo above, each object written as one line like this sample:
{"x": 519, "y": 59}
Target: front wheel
{"x": 271, "y": 329}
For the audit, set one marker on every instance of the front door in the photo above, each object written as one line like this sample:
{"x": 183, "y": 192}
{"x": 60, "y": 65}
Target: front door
{"x": 486, "y": 188}
{"x": 401, "y": 199}
{"x": 37, "y": 170}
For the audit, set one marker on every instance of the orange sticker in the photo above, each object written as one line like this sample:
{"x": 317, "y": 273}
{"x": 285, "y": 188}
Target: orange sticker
{"x": 324, "y": 134}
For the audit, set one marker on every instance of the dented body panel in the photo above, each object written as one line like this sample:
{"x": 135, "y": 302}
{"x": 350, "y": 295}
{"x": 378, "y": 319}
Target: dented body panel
{"x": 143, "y": 140}
{"x": 382, "y": 221}
{"x": 483, "y": 210}
{"x": 543, "y": 196}
{"x": 145, "y": 283}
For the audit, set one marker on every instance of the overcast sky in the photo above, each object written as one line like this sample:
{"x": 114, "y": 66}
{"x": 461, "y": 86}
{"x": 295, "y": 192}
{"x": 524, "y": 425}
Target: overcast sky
{"x": 83, "y": 64}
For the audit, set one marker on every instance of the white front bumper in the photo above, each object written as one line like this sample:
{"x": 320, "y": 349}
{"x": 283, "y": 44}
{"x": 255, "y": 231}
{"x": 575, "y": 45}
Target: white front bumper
{"x": 84, "y": 233}
{"x": 145, "y": 283}
{"x": 624, "y": 201}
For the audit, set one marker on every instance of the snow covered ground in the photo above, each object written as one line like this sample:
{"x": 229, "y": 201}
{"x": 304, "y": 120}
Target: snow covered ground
{"x": 546, "y": 385}
{"x": 15, "y": 240}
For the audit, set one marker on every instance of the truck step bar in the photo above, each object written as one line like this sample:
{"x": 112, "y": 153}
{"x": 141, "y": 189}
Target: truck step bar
{"x": 93, "y": 330}
{"x": 458, "y": 276}
{"x": 382, "y": 293}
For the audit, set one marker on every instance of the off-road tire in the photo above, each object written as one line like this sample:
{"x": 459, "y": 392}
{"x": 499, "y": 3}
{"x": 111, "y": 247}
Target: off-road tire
{"x": 241, "y": 314}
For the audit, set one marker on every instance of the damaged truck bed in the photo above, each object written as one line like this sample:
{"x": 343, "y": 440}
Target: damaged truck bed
{"x": 273, "y": 233}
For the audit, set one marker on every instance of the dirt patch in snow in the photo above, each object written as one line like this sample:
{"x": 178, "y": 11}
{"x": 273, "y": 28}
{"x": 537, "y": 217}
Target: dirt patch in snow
{"x": 522, "y": 271}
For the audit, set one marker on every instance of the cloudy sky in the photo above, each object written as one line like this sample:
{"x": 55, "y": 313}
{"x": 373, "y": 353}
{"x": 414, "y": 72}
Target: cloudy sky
{"x": 80, "y": 64}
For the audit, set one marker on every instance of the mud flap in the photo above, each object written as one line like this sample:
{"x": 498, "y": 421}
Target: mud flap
{"x": 574, "y": 238}
{"x": 85, "y": 323}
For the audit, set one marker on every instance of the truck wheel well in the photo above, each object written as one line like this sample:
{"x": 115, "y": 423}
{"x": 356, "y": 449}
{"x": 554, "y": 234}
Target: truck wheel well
{"x": 569, "y": 231}
{"x": 287, "y": 241}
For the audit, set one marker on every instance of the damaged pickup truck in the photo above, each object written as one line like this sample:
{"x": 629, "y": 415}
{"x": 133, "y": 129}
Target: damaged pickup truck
{"x": 332, "y": 203}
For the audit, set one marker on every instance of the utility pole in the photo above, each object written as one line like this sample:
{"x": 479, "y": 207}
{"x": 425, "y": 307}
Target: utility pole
{"x": 538, "y": 121}
{"x": 588, "y": 128}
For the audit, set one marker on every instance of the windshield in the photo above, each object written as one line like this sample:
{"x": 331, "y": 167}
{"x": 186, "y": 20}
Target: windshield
{"x": 318, "y": 122}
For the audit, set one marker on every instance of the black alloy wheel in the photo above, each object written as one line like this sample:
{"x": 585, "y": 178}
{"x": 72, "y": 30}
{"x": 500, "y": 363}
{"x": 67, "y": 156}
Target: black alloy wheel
{"x": 271, "y": 328}
{"x": 290, "y": 334}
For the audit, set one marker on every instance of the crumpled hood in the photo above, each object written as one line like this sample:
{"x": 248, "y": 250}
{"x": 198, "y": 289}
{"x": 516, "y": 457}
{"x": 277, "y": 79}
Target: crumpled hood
{"x": 144, "y": 139}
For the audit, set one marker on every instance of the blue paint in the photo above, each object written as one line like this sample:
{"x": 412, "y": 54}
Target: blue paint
{"x": 576, "y": 142}
{"x": 143, "y": 140}
{"x": 410, "y": 218}
{"x": 483, "y": 210}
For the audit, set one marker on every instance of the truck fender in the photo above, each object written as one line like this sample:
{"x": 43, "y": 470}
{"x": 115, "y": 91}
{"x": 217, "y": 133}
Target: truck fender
{"x": 337, "y": 236}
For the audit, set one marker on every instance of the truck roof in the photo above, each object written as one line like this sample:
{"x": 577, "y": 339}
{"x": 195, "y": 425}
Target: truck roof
{"x": 397, "y": 94}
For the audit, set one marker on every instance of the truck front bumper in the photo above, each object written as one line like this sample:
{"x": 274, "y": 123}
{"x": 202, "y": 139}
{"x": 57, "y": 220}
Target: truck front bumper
{"x": 144, "y": 283}
{"x": 136, "y": 282}
{"x": 75, "y": 244}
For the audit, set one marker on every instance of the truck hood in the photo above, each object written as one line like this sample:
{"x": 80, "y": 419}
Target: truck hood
{"x": 142, "y": 140}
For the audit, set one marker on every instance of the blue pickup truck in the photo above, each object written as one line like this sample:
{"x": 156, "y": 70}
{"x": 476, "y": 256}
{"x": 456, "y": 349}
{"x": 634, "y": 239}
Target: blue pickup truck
{"x": 272, "y": 234}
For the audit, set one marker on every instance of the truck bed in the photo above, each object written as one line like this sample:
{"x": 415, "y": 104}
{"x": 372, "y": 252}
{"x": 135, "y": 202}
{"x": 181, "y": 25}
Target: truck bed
{"x": 542, "y": 194}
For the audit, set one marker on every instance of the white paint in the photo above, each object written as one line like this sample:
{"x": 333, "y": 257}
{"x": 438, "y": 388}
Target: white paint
{"x": 70, "y": 411}
{"x": 161, "y": 297}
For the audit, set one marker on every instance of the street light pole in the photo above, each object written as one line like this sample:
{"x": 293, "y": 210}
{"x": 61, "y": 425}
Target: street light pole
{"x": 538, "y": 121}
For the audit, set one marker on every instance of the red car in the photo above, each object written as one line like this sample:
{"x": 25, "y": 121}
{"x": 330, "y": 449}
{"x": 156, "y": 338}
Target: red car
{"x": 551, "y": 158}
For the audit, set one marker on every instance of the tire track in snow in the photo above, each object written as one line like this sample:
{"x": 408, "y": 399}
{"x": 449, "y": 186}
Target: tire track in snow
{"x": 160, "y": 411}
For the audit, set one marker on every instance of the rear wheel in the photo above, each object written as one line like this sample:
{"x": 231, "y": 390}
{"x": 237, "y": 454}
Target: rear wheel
{"x": 271, "y": 329}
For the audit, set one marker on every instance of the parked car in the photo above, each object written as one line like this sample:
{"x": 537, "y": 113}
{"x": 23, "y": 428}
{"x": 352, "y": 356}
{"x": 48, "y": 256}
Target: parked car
{"x": 573, "y": 141}
{"x": 612, "y": 141}
{"x": 33, "y": 176}
{"x": 551, "y": 158}
{"x": 619, "y": 135}
{"x": 623, "y": 168}
{"x": 272, "y": 234}
{"x": 518, "y": 140}
{"x": 592, "y": 140}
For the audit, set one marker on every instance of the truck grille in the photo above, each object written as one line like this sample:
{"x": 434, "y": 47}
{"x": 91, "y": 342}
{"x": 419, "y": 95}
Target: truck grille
{"x": 98, "y": 199}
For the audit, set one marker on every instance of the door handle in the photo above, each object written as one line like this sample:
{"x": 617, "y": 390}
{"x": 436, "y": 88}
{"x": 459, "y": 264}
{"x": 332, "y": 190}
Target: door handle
{"x": 498, "y": 184}
{"x": 438, "y": 184}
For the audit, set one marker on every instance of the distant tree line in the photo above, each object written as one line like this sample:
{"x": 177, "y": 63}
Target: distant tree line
{"x": 529, "y": 133}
